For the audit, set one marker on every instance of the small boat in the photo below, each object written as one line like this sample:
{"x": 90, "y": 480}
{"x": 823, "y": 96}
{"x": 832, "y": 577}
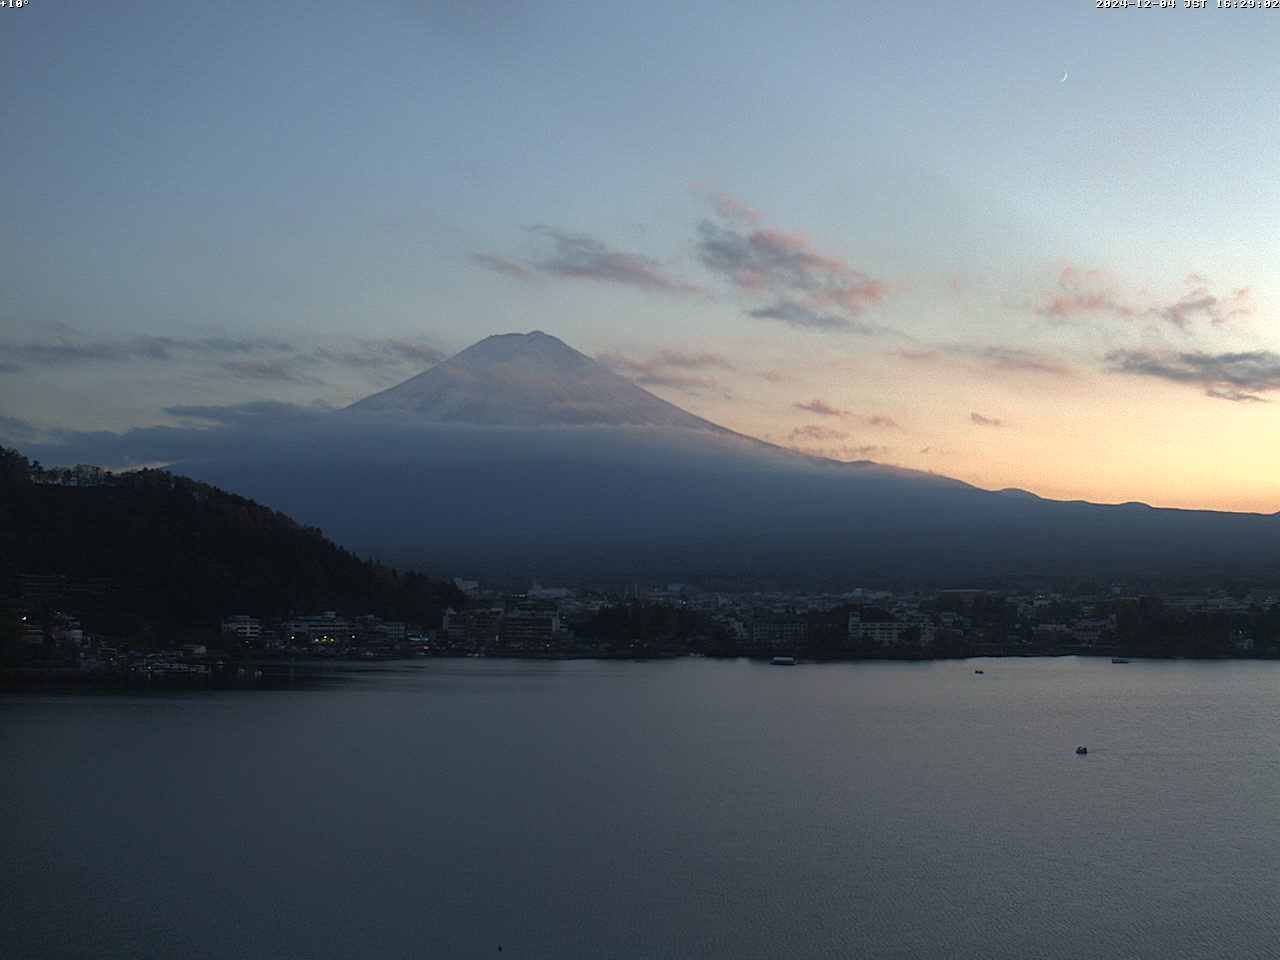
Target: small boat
{"x": 1081, "y": 751}
{"x": 978, "y": 671}
{"x": 783, "y": 662}
{"x": 1119, "y": 660}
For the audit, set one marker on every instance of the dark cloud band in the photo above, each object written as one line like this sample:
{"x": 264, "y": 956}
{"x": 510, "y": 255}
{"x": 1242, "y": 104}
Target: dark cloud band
{"x": 1241, "y": 377}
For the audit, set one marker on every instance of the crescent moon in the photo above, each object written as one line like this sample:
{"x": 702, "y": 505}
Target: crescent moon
{"x": 1064, "y": 77}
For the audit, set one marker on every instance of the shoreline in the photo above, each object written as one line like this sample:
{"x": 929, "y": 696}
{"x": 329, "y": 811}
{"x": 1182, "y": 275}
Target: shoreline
{"x": 299, "y": 674}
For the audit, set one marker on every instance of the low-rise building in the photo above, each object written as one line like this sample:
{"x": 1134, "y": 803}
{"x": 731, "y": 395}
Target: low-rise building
{"x": 241, "y": 628}
{"x": 779, "y": 631}
{"x": 891, "y": 633}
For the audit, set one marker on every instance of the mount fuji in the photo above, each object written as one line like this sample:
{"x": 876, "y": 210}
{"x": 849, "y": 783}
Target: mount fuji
{"x": 527, "y": 380}
{"x": 521, "y": 457}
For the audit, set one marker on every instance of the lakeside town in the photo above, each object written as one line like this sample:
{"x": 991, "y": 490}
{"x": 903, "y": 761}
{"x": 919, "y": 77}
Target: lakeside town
{"x": 668, "y": 620}
{"x": 149, "y": 577}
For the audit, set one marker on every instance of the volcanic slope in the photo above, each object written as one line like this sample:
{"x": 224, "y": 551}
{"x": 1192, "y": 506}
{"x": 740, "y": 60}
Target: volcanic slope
{"x": 521, "y": 457}
{"x": 527, "y": 380}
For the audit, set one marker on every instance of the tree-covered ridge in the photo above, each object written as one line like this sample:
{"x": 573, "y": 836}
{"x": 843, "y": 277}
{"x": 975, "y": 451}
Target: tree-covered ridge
{"x": 150, "y": 551}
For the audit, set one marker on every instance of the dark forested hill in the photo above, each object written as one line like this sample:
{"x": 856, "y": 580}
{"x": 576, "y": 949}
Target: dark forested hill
{"x": 151, "y": 551}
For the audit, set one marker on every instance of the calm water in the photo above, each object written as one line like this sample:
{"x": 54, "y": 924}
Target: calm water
{"x": 697, "y": 809}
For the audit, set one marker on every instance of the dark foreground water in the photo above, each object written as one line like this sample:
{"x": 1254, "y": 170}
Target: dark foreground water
{"x": 690, "y": 809}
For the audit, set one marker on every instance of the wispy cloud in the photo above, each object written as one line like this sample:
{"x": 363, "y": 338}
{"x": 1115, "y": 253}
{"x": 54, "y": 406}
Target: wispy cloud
{"x": 822, "y": 408}
{"x": 826, "y": 442}
{"x": 727, "y": 206}
{"x": 237, "y": 345}
{"x": 382, "y": 352}
{"x": 799, "y": 315}
{"x": 694, "y": 361}
{"x": 252, "y": 411}
{"x": 982, "y": 421}
{"x": 71, "y": 350}
{"x": 56, "y": 352}
{"x": 1028, "y": 361}
{"x": 248, "y": 358}
{"x": 797, "y": 283}
{"x": 1083, "y": 292}
{"x": 771, "y": 376}
{"x": 1013, "y": 359}
{"x": 781, "y": 275}
{"x": 512, "y": 268}
{"x": 1200, "y": 304}
{"x": 1241, "y": 377}
{"x": 580, "y": 256}
{"x": 870, "y": 450}
{"x": 413, "y": 350}
{"x": 670, "y": 368}
{"x": 818, "y": 432}
{"x": 1080, "y": 293}
{"x": 279, "y": 370}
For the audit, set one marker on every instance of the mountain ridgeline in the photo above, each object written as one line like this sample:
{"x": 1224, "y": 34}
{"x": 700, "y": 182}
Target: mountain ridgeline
{"x": 521, "y": 457}
{"x": 143, "y": 555}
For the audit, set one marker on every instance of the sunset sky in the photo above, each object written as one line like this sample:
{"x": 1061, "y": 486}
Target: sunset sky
{"x": 873, "y": 231}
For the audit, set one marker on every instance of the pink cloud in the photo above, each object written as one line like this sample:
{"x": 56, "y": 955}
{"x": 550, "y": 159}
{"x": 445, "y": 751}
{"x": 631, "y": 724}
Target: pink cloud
{"x": 727, "y": 206}
{"x": 1083, "y": 292}
{"x": 511, "y": 268}
{"x": 797, "y": 283}
{"x": 1080, "y": 292}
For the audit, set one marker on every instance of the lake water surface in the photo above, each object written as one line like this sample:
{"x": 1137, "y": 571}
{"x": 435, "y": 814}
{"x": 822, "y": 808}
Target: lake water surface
{"x": 692, "y": 808}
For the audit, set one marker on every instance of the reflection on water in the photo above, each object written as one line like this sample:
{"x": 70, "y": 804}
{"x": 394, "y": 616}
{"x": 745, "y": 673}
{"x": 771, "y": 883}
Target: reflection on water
{"x": 692, "y": 808}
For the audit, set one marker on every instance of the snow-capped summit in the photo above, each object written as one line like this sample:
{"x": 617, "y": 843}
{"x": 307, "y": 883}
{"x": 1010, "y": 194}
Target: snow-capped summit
{"x": 527, "y": 379}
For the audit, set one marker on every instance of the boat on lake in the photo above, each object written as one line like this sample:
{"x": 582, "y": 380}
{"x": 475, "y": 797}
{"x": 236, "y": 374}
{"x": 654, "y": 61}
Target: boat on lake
{"x": 783, "y": 661}
{"x": 1119, "y": 660}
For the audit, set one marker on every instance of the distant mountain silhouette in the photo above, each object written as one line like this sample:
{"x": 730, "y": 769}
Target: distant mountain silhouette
{"x": 522, "y": 457}
{"x": 527, "y": 379}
